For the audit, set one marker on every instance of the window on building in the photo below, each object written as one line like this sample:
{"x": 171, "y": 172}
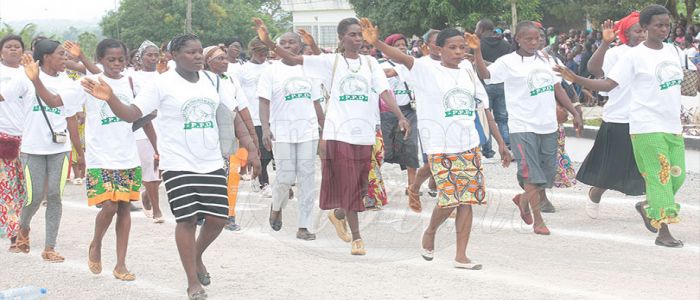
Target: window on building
{"x": 328, "y": 37}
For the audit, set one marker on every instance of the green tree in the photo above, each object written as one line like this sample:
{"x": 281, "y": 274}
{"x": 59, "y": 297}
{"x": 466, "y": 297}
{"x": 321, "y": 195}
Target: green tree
{"x": 416, "y": 16}
{"x": 28, "y": 32}
{"x": 88, "y": 43}
{"x": 213, "y": 21}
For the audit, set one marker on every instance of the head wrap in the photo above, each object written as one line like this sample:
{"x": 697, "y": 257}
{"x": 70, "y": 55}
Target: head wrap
{"x": 212, "y": 52}
{"x": 390, "y": 40}
{"x": 142, "y": 49}
{"x": 625, "y": 24}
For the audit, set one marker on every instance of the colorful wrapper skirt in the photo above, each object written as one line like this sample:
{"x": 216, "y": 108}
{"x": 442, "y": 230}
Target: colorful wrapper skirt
{"x": 12, "y": 194}
{"x": 459, "y": 178}
{"x": 113, "y": 185}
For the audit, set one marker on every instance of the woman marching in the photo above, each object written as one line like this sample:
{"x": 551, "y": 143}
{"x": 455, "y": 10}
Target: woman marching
{"x": 448, "y": 132}
{"x": 190, "y": 157}
{"x": 216, "y": 62}
{"x": 147, "y": 57}
{"x": 653, "y": 73}
{"x": 113, "y": 167}
{"x": 290, "y": 114}
{"x": 349, "y": 130}
{"x": 398, "y": 150}
{"x": 610, "y": 165}
{"x": 13, "y": 193}
{"x": 45, "y": 147}
{"x": 532, "y": 92}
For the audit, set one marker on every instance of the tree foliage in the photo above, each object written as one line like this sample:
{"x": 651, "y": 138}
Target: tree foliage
{"x": 213, "y": 21}
{"x": 28, "y": 32}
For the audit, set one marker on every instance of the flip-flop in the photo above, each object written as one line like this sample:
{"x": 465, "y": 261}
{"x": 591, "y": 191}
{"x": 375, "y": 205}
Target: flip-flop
{"x": 204, "y": 278}
{"x": 468, "y": 266}
{"x": 671, "y": 244}
{"x": 647, "y": 222}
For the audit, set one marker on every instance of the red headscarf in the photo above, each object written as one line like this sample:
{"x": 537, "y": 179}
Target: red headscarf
{"x": 390, "y": 40}
{"x": 624, "y": 24}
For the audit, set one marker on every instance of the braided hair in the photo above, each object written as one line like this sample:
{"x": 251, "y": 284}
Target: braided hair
{"x": 179, "y": 41}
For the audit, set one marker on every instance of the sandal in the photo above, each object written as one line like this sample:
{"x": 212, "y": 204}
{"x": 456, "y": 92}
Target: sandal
{"x": 358, "y": 247}
{"x": 671, "y": 244}
{"x": 341, "y": 228}
{"x": 14, "y": 249}
{"x": 204, "y": 278}
{"x": 52, "y": 256}
{"x": 94, "y": 266}
{"x": 198, "y": 295}
{"x": 414, "y": 201}
{"x": 639, "y": 207}
{"x": 128, "y": 276}
{"x": 158, "y": 220}
{"x": 22, "y": 243}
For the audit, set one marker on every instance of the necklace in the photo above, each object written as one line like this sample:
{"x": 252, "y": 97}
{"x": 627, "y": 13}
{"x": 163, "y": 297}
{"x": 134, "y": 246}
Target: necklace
{"x": 350, "y": 69}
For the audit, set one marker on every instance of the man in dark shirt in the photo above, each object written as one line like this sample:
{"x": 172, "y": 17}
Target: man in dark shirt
{"x": 493, "y": 47}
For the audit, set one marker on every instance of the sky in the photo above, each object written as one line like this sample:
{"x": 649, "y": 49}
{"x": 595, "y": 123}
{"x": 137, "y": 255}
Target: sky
{"x": 17, "y": 10}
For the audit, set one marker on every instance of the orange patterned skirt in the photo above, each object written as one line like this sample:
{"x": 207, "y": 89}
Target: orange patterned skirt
{"x": 459, "y": 178}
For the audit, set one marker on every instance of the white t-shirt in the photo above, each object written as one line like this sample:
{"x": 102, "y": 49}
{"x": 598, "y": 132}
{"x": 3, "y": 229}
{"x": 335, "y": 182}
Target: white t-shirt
{"x": 397, "y": 83}
{"x": 528, "y": 83}
{"x": 350, "y": 116}
{"x": 234, "y": 69}
{"x": 446, "y": 102}
{"x": 36, "y": 135}
{"x": 12, "y": 109}
{"x": 617, "y": 108}
{"x": 140, "y": 80}
{"x": 292, "y": 95}
{"x": 654, "y": 78}
{"x": 188, "y": 136}
{"x": 109, "y": 141}
{"x": 248, "y": 78}
{"x": 235, "y": 88}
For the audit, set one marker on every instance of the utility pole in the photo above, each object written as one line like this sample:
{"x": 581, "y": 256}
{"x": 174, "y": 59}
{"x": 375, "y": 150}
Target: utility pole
{"x": 188, "y": 17}
{"x": 514, "y": 12}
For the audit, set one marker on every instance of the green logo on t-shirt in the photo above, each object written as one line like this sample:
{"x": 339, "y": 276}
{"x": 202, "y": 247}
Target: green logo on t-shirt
{"x": 106, "y": 115}
{"x": 353, "y": 88}
{"x": 199, "y": 113}
{"x": 459, "y": 102}
{"x": 297, "y": 88}
{"x": 540, "y": 81}
{"x": 54, "y": 110}
{"x": 668, "y": 74}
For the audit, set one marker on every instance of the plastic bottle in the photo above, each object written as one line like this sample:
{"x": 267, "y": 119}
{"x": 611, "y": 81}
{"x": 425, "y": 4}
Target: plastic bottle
{"x": 23, "y": 293}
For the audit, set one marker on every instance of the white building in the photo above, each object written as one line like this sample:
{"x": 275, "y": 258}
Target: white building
{"x": 320, "y": 18}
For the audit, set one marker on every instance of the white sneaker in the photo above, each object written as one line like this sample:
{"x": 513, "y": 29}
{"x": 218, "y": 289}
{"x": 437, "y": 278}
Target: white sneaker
{"x": 77, "y": 181}
{"x": 592, "y": 209}
{"x": 266, "y": 191}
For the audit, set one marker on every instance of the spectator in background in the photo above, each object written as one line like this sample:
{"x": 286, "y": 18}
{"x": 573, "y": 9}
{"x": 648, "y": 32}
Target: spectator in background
{"x": 552, "y": 34}
{"x": 492, "y": 48}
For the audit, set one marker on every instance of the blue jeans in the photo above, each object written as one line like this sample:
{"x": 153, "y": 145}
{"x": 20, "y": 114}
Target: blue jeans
{"x": 497, "y": 103}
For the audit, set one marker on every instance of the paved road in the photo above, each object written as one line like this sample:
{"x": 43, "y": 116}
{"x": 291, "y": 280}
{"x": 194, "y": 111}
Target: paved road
{"x": 612, "y": 257}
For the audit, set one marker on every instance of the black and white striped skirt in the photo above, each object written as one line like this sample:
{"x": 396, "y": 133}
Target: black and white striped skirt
{"x": 196, "y": 194}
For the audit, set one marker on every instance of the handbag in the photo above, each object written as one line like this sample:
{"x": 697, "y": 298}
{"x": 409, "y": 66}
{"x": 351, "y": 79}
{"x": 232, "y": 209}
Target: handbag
{"x": 225, "y": 124}
{"x": 9, "y": 146}
{"x": 56, "y": 137}
{"x": 689, "y": 86}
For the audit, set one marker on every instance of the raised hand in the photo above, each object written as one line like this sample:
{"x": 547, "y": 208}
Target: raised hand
{"x": 308, "y": 39}
{"x": 263, "y": 33}
{"x": 370, "y": 33}
{"x": 424, "y": 49}
{"x": 72, "y": 48}
{"x": 162, "y": 66}
{"x": 609, "y": 33}
{"x": 472, "y": 40}
{"x": 565, "y": 73}
{"x": 31, "y": 67}
{"x": 98, "y": 89}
